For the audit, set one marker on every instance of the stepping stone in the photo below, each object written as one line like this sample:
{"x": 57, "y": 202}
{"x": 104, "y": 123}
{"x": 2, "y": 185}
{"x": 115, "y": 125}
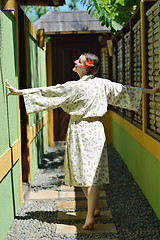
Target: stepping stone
{"x": 77, "y": 194}
{"x": 81, "y": 215}
{"x": 68, "y": 188}
{"x": 77, "y": 228}
{"x": 79, "y": 204}
{"x": 43, "y": 194}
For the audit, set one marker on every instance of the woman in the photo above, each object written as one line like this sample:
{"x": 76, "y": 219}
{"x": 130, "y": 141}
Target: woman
{"x": 86, "y": 100}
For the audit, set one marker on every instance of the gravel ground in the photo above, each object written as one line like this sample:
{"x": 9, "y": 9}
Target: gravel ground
{"x": 133, "y": 216}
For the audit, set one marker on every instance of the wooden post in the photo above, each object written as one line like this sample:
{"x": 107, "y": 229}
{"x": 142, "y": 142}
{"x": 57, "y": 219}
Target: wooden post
{"x": 110, "y": 47}
{"x": 40, "y": 37}
{"x": 49, "y": 83}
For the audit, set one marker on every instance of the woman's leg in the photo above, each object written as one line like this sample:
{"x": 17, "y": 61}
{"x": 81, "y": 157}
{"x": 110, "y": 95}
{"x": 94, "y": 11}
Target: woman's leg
{"x": 85, "y": 191}
{"x": 92, "y": 200}
{"x": 97, "y": 211}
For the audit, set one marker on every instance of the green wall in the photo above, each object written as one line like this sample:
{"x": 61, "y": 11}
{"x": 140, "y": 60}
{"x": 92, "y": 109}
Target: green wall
{"x": 38, "y": 147}
{"x": 144, "y": 167}
{"x": 9, "y": 199}
{"x": 37, "y": 78}
{"x": 10, "y": 184}
{"x": 36, "y": 71}
{"x": 8, "y": 70}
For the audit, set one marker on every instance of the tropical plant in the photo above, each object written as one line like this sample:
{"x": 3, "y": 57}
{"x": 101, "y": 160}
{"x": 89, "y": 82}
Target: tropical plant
{"x": 112, "y": 12}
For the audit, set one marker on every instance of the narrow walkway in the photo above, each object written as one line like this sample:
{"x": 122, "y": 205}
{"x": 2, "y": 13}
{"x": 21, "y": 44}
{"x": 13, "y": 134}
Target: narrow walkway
{"x": 53, "y": 211}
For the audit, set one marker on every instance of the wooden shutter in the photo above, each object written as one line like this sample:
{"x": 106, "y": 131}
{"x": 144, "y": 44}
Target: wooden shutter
{"x": 120, "y": 65}
{"x": 127, "y": 64}
{"x": 114, "y": 64}
{"x": 137, "y": 66}
{"x": 153, "y": 15}
{"x": 104, "y": 63}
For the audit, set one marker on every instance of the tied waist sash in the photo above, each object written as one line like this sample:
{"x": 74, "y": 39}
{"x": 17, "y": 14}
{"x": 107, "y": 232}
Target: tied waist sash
{"x": 74, "y": 118}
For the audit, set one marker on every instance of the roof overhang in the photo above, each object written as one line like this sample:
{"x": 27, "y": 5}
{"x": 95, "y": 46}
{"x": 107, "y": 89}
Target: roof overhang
{"x": 77, "y": 32}
{"x": 41, "y": 2}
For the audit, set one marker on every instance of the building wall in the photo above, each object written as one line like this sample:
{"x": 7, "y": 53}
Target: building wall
{"x": 10, "y": 145}
{"x": 140, "y": 152}
{"x": 135, "y": 135}
{"x": 36, "y": 78}
{"x": 11, "y": 196}
{"x": 143, "y": 165}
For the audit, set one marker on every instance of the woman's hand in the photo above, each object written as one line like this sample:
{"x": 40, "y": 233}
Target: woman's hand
{"x": 13, "y": 91}
{"x": 156, "y": 89}
{"x": 152, "y": 90}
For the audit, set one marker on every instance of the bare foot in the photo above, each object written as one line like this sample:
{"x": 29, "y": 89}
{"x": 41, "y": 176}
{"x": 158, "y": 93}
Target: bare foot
{"x": 89, "y": 224}
{"x": 97, "y": 212}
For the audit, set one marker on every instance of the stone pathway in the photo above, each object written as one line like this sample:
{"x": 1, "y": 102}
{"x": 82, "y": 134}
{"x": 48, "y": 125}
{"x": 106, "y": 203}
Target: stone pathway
{"x": 71, "y": 211}
{"x": 53, "y": 211}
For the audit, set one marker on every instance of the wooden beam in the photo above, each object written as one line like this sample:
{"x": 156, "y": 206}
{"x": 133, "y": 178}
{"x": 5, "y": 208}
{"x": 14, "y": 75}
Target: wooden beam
{"x": 8, "y": 5}
{"x": 42, "y": 2}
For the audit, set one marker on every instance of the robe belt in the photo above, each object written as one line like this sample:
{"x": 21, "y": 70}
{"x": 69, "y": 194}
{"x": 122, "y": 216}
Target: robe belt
{"x": 89, "y": 119}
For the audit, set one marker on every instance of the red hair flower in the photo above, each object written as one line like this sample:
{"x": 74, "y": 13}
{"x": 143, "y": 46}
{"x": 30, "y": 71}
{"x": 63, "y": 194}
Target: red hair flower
{"x": 89, "y": 63}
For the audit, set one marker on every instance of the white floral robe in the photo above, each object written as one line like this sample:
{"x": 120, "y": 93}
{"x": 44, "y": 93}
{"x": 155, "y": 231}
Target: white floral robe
{"x": 86, "y": 100}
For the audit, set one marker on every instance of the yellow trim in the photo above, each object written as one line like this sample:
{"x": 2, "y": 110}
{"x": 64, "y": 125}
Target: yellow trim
{"x": 36, "y": 128}
{"x": 5, "y": 164}
{"x": 151, "y": 144}
{"x": 144, "y": 74}
{"x": 8, "y": 159}
{"x": 49, "y": 83}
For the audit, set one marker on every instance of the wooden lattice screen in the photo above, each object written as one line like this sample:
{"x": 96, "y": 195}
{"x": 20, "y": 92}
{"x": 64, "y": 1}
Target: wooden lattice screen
{"x": 153, "y": 15}
{"x": 104, "y": 62}
{"x": 137, "y": 66}
{"x": 127, "y": 64}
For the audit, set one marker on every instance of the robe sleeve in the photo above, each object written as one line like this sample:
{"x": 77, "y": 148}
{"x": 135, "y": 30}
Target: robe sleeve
{"x": 124, "y": 96}
{"x": 45, "y": 98}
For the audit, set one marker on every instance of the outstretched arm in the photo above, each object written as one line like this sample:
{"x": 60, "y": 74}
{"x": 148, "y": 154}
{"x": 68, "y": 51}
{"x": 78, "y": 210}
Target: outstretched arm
{"x": 152, "y": 90}
{"x": 13, "y": 91}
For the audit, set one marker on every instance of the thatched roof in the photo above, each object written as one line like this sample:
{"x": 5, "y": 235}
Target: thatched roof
{"x": 71, "y": 21}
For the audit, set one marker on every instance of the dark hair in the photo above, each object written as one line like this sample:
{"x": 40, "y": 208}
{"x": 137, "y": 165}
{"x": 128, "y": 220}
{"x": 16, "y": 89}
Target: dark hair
{"x": 92, "y": 70}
